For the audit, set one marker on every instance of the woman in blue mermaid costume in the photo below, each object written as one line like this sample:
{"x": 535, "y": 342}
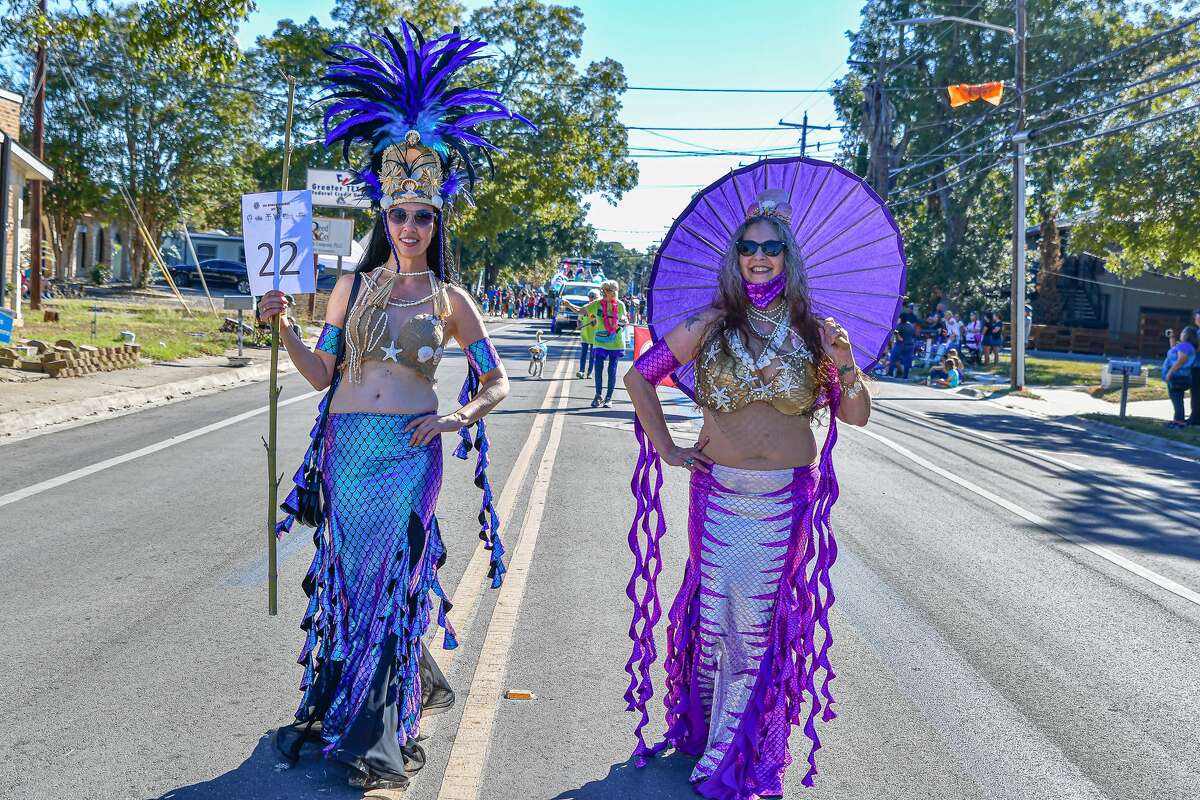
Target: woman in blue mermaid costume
{"x": 367, "y": 679}
{"x": 742, "y": 635}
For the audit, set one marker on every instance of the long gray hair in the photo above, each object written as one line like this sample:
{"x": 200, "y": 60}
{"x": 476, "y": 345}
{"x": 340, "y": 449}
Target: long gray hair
{"x": 732, "y": 301}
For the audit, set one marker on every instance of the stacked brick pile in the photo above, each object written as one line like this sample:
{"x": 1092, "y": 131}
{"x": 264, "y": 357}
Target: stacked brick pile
{"x": 65, "y": 359}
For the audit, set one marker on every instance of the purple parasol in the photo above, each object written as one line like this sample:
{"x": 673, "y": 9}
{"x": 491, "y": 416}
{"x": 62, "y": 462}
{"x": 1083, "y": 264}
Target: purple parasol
{"x": 849, "y": 242}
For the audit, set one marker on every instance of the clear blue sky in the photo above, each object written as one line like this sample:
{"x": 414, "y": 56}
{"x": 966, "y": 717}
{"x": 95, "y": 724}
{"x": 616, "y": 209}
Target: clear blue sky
{"x": 690, "y": 43}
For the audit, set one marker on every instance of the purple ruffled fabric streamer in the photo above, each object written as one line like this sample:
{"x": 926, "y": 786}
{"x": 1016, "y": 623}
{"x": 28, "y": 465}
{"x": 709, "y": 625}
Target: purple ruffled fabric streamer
{"x": 489, "y": 521}
{"x": 791, "y": 666}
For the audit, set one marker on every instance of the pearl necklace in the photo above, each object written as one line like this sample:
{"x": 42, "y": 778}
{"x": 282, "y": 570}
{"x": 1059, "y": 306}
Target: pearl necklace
{"x": 769, "y": 352}
{"x": 433, "y": 290}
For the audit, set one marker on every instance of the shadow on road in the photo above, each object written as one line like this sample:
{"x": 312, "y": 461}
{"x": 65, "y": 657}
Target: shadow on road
{"x": 1092, "y": 504}
{"x": 664, "y": 777}
{"x": 258, "y": 779}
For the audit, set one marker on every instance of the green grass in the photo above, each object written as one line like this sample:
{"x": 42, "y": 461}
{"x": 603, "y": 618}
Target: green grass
{"x": 1157, "y": 390}
{"x": 164, "y": 333}
{"x": 1154, "y": 427}
{"x": 1051, "y": 372}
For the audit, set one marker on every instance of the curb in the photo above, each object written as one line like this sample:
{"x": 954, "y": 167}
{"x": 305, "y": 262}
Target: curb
{"x": 1157, "y": 443}
{"x": 21, "y": 422}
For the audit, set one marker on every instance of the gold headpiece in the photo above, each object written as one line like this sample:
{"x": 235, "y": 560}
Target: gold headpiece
{"x": 410, "y": 173}
{"x": 771, "y": 203}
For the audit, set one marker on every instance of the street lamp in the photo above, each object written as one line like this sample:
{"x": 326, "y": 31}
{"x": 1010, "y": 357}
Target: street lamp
{"x": 1019, "y": 139}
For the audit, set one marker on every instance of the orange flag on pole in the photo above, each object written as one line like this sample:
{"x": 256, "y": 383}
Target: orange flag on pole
{"x": 963, "y": 93}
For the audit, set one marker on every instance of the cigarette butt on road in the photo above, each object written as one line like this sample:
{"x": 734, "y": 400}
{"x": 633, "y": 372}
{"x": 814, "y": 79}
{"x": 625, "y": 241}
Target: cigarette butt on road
{"x": 519, "y": 694}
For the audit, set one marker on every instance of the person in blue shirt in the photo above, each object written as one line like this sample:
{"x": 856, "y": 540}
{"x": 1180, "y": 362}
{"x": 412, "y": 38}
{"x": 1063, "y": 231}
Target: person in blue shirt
{"x": 1177, "y": 372}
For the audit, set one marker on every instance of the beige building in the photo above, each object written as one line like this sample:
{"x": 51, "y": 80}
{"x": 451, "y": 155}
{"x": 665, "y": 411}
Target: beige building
{"x": 18, "y": 168}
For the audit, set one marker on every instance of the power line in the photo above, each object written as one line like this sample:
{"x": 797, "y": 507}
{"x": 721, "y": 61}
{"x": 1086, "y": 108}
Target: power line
{"x": 1120, "y": 129}
{"x": 953, "y": 183}
{"x": 932, "y": 157}
{"x": 1110, "y": 109}
{"x": 1116, "y": 53}
{"x": 718, "y": 90}
{"x": 1166, "y": 73}
{"x": 1097, "y": 135}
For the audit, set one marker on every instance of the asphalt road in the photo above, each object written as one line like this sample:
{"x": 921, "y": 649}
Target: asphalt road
{"x": 1017, "y": 612}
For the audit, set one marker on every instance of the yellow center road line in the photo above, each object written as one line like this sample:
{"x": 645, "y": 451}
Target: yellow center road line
{"x": 1103, "y": 552}
{"x": 470, "y": 587}
{"x": 464, "y": 771}
{"x": 83, "y": 472}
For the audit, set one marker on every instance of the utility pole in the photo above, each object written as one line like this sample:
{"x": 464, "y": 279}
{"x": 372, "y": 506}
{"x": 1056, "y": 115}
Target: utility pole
{"x": 35, "y": 206}
{"x": 1020, "y": 137}
{"x": 804, "y": 129}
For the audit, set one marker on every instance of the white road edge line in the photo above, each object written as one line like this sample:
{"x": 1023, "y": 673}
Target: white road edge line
{"x": 100, "y": 466}
{"x": 468, "y": 756}
{"x": 1042, "y": 454}
{"x": 470, "y": 587}
{"x": 83, "y": 472}
{"x": 1098, "y": 550}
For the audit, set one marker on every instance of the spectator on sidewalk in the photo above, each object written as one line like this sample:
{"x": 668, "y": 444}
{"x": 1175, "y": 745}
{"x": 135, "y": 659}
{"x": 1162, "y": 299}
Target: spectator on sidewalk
{"x": 1194, "y": 419}
{"x": 934, "y": 333}
{"x": 993, "y": 337}
{"x": 954, "y": 330}
{"x": 948, "y": 377}
{"x": 1177, "y": 369}
{"x": 905, "y": 344}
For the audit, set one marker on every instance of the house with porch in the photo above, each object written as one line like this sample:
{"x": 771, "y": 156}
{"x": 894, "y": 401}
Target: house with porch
{"x": 18, "y": 168}
{"x": 1099, "y": 312}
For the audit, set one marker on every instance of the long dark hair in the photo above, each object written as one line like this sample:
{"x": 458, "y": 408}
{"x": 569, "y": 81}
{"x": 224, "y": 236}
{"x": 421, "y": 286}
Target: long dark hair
{"x": 1190, "y": 336}
{"x": 732, "y": 301}
{"x": 379, "y": 250}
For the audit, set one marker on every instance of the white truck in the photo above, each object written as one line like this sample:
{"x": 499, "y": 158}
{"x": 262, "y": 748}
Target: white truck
{"x": 577, "y": 293}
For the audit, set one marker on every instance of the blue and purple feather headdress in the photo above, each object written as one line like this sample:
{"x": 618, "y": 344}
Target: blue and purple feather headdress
{"x": 422, "y": 134}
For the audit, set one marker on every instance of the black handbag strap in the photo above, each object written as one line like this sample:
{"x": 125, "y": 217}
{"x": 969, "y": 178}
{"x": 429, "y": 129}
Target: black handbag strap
{"x": 341, "y": 352}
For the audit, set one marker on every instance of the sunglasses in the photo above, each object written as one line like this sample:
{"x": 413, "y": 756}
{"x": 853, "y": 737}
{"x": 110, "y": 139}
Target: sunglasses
{"x": 748, "y": 247}
{"x": 422, "y": 218}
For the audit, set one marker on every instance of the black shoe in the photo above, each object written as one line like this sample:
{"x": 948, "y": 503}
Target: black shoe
{"x": 596, "y": 402}
{"x": 414, "y": 757}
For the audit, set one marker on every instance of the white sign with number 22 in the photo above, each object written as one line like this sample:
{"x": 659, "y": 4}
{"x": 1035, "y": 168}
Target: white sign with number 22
{"x": 277, "y": 229}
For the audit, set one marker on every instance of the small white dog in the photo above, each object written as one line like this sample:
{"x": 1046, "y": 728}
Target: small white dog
{"x": 537, "y": 356}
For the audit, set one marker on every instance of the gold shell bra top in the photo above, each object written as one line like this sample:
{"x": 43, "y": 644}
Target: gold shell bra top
{"x": 725, "y": 383}
{"x": 374, "y": 333}
{"x": 418, "y": 344}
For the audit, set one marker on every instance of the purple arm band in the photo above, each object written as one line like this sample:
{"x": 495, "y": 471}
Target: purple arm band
{"x": 482, "y": 356}
{"x": 328, "y": 341}
{"x": 657, "y": 363}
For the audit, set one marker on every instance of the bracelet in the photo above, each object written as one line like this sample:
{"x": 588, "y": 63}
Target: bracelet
{"x": 855, "y": 387}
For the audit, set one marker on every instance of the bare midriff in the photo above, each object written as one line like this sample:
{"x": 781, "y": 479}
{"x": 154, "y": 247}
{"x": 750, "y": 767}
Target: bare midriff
{"x": 759, "y": 437}
{"x": 386, "y": 388}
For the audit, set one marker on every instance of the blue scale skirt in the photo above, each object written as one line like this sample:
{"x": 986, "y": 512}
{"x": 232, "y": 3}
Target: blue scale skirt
{"x": 367, "y": 676}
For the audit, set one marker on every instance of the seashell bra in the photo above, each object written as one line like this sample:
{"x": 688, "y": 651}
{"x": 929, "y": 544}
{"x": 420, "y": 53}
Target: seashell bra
{"x": 724, "y": 383}
{"x": 418, "y": 344}
{"x": 372, "y": 332}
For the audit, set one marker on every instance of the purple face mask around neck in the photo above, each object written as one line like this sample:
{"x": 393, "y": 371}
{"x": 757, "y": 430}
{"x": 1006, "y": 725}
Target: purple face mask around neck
{"x": 763, "y": 294}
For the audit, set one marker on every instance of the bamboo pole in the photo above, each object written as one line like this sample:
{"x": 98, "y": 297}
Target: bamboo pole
{"x": 273, "y": 479}
{"x": 150, "y": 246}
{"x": 187, "y": 237}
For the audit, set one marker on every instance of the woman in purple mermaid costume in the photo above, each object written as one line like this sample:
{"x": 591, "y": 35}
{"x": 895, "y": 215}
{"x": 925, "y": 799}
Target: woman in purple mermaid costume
{"x": 377, "y": 442}
{"x": 742, "y": 651}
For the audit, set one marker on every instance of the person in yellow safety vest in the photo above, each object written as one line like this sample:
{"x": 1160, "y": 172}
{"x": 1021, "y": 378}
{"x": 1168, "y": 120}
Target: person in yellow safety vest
{"x": 587, "y": 336}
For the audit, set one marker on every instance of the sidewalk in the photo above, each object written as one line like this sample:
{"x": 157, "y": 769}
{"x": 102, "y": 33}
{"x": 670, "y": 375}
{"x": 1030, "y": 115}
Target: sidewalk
{"x": 31, "y": 401}
{"x": 1059, "y": 402}
{"x": 1070, "y": 406}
